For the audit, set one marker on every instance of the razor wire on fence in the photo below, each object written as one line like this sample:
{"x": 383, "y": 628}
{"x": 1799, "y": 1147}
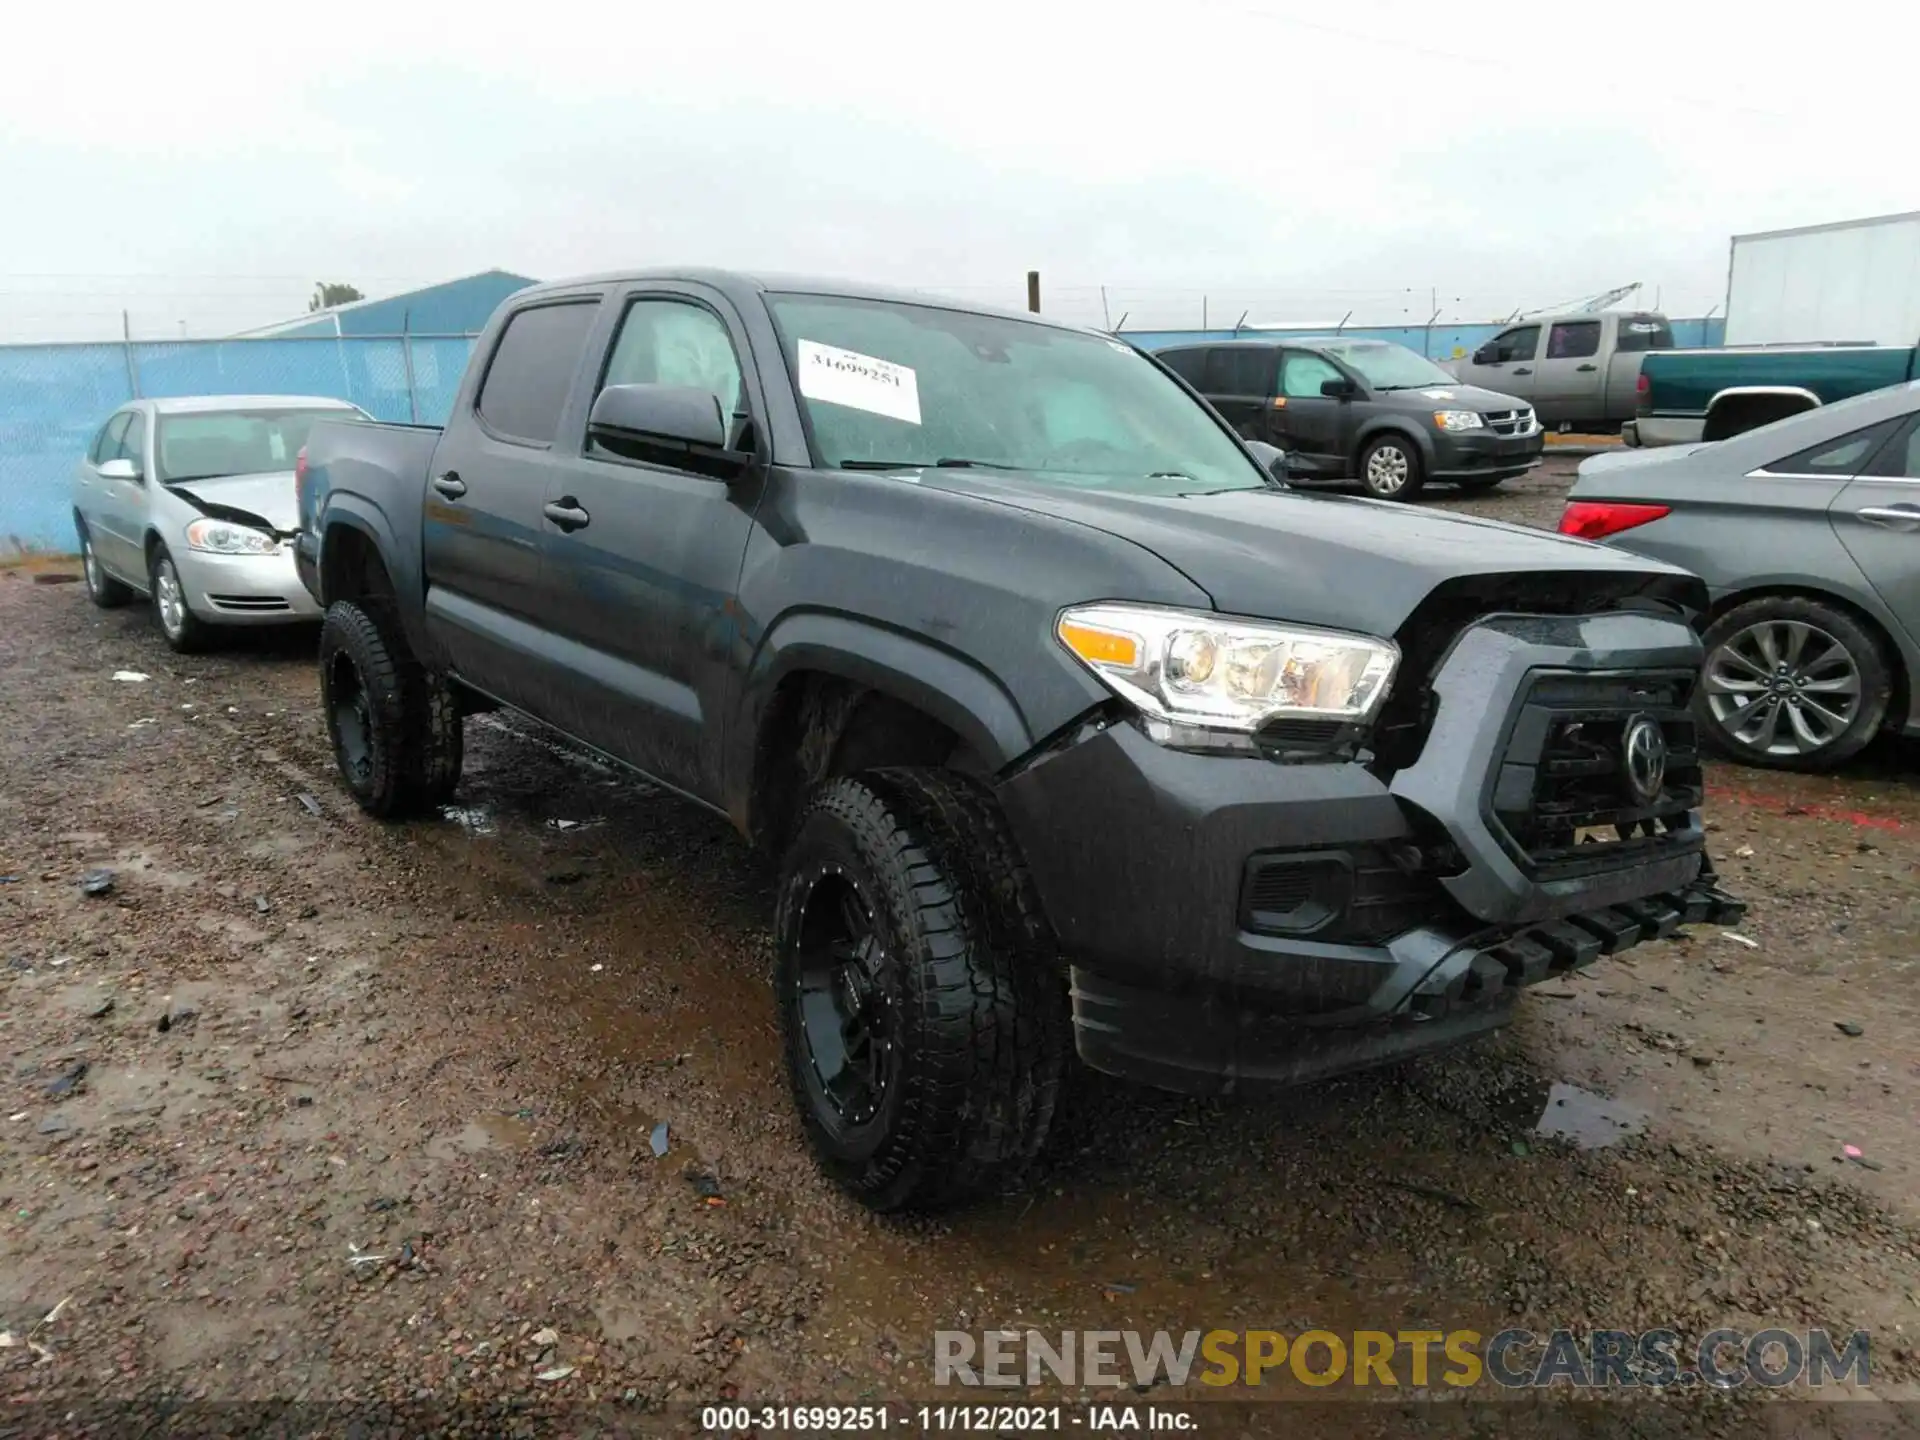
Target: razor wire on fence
{"x": 53, "y": 399}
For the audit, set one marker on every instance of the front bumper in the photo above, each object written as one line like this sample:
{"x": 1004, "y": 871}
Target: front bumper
{"x": 1467, "y": 456}
{"x": 1145, "y": 860}
{"x": 244, "y": 589}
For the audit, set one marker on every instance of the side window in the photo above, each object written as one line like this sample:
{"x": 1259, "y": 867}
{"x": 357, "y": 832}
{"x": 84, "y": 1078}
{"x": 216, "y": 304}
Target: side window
{"x": 1520, "y": 344}
{"x": 1301, "y": 374}
{"x": 532, "y": 369}
{"x": 106, "y": 444}
{"x": 675, "y": 342}
{"x": 1643, "y": 332}
{"x": 1240, "y": 370}
{"x": 1841, "y": 458}
{"x": 1574, "y": 340}
{"x": 1189, "y": 365}
{"x": 134, "y": 444}
{"x": 1901, "y": 459}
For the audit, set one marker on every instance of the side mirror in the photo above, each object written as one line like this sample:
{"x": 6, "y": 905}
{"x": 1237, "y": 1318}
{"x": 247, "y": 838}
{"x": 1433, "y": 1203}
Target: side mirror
{"x": 1272, "y": 457}
{"x": 679, "y": 415}
{"x": 1339, "y": 388}
{"x": 1486, "y": 355}
{"x": 119, "y": 468}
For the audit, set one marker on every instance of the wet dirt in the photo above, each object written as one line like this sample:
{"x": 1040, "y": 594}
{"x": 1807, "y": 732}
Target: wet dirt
{"x": 425, "y": 1049}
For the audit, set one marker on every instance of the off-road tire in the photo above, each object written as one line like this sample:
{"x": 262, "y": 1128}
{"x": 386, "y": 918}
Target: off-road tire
{"x": 969, "y": 965}
{"x": 413, "y": 732}
{"x": 1867, "y": 650}
{"x": 1416, "y": 470}
{"x": 102, "y": 589}
{"x": 190, "y": 635}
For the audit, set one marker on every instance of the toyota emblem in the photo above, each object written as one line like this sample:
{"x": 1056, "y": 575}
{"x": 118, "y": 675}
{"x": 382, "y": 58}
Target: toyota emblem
{"x": 1644, "y": 749}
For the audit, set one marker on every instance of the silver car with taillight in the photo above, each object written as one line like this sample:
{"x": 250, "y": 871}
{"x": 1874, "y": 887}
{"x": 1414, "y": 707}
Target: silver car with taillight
{"x": 190, "y": 501}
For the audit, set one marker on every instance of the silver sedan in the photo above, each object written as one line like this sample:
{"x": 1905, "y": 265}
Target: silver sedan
{"x": 191, "y": 502}
{"x": 1807, "y": 532}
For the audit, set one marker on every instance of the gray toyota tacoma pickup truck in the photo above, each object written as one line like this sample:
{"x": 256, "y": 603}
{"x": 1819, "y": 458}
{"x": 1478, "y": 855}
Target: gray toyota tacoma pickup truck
{"x": 1068, "y": 726}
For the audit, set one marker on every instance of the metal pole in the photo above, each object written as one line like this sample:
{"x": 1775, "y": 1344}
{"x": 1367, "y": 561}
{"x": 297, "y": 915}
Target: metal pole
{"x": 1106, "y": 316}
{"x": 126, "y": 345}
{"x": 1033, "y": 291}
{"x": 1203, "y": 312}
{"x": 406, "y": 354}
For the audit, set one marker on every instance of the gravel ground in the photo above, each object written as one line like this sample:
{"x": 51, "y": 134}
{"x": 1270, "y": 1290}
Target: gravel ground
{"x": 305, "y": 1106}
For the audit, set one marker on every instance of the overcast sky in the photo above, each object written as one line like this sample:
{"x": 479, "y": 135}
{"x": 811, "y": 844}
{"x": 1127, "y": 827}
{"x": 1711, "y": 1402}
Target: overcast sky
{"x": 203, "y": 164}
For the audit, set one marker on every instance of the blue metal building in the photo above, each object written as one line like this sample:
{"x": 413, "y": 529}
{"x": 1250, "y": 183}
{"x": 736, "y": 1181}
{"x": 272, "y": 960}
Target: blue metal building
{"x": 453, "y": 307}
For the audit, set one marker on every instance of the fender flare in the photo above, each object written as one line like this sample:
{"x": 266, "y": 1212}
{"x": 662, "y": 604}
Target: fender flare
{"x": 349, "y": 512}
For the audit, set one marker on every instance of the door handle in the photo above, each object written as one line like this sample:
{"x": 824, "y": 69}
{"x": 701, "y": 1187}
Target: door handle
{"x": 450, "y": 485}
{"x": 1584, "y": 368}
{"x": 1524, "y": 370}
{"x": 1892, "y": 517}
{"x": 567, "y": 514}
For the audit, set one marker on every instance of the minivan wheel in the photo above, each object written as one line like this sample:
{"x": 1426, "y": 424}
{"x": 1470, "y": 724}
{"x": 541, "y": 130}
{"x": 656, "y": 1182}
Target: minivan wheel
{"x": 102, "y": 589}
{"x": 923, "y": 1009}
{"x": 396, "y": 731}
{"x": 184, "y": 631}
{"x": 1792, "y": 683}
{"x": 1390, "y": 468}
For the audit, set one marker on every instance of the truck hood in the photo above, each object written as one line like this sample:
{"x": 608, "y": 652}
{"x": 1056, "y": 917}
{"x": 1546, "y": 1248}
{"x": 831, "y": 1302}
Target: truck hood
{"x": 263, "y": 500}
{"x": 1331, "y": 560}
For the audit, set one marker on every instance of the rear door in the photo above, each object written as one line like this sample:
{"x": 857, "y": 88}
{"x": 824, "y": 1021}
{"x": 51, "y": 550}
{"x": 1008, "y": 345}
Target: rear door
{"x": 644, "y": 587}
{"x": 123, "y": 503}
{"x": 1239, "y": 382}
{"x": 1314, "y": 427}
{"x": 1878, "y": 519}
{"x": 1506, "y": 363}
{"x": 92, "y": 495}
{"x": 1569, "y": 382}
{"x": 487, "y": 604}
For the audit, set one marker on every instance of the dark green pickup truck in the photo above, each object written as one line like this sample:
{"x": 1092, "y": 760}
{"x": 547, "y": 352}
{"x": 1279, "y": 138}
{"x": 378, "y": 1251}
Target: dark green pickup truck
{"x": 1690, "y": 395}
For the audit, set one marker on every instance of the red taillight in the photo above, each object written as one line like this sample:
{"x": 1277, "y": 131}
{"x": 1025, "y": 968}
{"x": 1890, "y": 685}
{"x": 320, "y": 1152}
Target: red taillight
{"x": 1597, "y": 519}
{"x": 1642, "y": 395}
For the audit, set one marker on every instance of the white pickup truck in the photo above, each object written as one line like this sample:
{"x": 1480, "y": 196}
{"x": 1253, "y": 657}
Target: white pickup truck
{"x": 1579, "y": 371}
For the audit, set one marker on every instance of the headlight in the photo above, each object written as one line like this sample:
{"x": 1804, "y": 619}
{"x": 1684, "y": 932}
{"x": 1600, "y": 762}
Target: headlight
{"x": 1192, "y": 668}
{"x": 1458, "y": 419}
{"x": 223, "y": 537}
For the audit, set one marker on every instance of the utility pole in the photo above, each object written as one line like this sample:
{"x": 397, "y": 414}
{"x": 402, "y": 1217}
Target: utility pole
{"x": 1033, "y": 291}
{"x": 126, "y": 347}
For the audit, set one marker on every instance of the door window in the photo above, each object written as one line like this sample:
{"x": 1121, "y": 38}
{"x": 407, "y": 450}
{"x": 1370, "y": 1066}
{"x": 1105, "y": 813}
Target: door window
{"x": 1520, "y": 344}
{"x": 1240, "y": 370}
{"x": 1301, "y": 375}
{"x": 106, "y": 444}
{"x": 1189, "y": 365}
{"x": 1574, "y": 340}
{"x": 1842, "y": 457}
{"x": 532, "y": 369}
{"x": 133, "y": 444}
{"x": 1900, "y": 460}
{"x": 675, "y": 342}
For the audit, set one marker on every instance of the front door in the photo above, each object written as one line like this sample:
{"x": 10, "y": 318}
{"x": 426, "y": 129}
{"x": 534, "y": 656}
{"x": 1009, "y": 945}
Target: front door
{"x": 1506, "y": 363}
{"x": 1239, "y": 383}
{"x": 1569, "y": 382}
{"x": 1314, "y": 428}
{"x": 486, "y": 604}
{"x": 644, "y": 587}
{"x": 1878, "y": 519}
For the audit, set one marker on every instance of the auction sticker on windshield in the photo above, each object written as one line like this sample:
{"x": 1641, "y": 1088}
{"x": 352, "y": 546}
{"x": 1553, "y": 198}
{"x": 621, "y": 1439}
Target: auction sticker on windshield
{"x": 860, "y": 382}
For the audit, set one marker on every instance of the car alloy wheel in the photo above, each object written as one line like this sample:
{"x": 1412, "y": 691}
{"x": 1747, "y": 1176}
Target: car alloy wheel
{"x": 1388, "y": 470}
{"x": 1783, "y": 687}
{"x": 846, "y": 1016}
{"x": 169, "y": 599}
{"x": 91, "y": 563}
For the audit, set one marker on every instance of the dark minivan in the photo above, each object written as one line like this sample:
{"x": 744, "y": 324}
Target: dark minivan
{"x": 1366, "y": 410}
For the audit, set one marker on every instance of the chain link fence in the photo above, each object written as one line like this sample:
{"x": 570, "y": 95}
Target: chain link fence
{"x": 54, "y": 397}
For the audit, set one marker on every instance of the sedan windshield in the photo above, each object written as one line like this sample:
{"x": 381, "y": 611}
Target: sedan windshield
{"x": 891, "y": 385}
{"x": 1386, "y": 366}
{"x": 205, "y": 444}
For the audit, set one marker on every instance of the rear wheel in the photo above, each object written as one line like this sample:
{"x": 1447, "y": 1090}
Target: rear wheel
{"x": 396, "y": 729}
{"x": 1390, "y": 468}
{"x": 105, "y": 591}
{"x": 183, "y": 630}
{"x": 1792, "y": 683}
{"x": 924, "y": 1011}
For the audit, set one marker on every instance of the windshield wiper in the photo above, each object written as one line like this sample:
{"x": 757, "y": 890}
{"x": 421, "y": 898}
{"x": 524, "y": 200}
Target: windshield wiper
{"x": 944, "y": 463}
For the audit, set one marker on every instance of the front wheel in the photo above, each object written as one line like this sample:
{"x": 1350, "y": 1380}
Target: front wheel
{"x": 1390, "y": 468}
{"x": 923, "y": 1008}
{"x": 1792, "y": 683}
{"x": 184, "y": 631}
{"x": 396, "y": 730}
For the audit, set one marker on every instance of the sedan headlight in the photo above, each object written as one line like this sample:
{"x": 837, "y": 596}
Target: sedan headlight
{"x": 1191, "y": 668}
{"x": 223, "y": 537}
{"x": 1458, "y": 420}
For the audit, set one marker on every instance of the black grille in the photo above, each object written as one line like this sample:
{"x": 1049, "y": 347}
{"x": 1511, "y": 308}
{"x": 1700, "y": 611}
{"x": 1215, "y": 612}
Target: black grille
{"x": 1509, "y": 422}
{"x": 1563, "y": 792}
{"x": 1360, "y": 895}
{"x": 249, "y": 602}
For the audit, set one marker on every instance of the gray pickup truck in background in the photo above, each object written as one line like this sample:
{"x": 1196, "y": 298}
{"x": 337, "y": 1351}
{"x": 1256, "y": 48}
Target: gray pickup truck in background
{"x": 1579, "y": 371}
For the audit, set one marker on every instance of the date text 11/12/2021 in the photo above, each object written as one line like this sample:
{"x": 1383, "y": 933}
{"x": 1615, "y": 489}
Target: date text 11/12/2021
{"x": 945, "y": 1419}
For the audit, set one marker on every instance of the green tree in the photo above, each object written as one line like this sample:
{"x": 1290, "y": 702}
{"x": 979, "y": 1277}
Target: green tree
{"x": 327, "y": 295}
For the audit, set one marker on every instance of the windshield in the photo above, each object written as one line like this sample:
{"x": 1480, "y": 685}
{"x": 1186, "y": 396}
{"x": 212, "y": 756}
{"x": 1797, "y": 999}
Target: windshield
{"x": 206, "y": 444}
{"x": 1387, "y": 366}
{"x": 888, "y": 384}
